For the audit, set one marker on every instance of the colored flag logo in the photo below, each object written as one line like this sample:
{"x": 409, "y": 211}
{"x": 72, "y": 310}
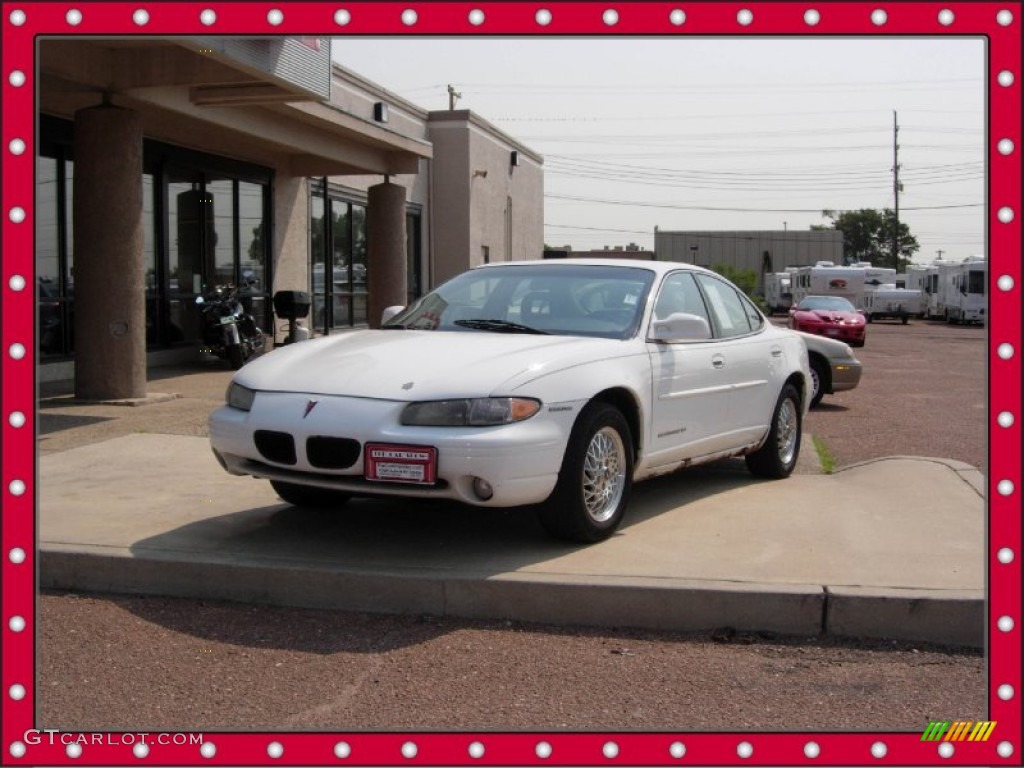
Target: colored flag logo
{"x": 959, "y": 730}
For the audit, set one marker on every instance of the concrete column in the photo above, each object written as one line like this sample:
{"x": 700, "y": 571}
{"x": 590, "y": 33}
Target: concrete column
{"x": 386, "y": 268}
{"x": 110, "y": 306}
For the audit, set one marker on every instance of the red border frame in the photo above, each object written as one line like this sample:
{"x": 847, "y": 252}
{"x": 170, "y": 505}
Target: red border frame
{"x": 514, "y": 18}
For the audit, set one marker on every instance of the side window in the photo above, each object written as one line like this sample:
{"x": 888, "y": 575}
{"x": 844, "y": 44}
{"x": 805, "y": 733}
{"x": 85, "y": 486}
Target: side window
{"x": 754, "y": 317}
{"x": 679, "y": 293}
{"x": 727, "y": 310}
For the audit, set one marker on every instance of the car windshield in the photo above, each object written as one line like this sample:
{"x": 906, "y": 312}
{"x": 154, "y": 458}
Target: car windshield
{"x": 563, "y": 299}
{"x": 830, "y": 303}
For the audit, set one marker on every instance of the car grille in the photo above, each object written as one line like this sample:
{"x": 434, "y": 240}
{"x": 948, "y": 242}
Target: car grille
{"x": 278, "y": 447}
{"x": 332, "y": 452}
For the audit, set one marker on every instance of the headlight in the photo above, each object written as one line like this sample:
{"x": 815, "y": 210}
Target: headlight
{"x": 240, "y": 397}
{"x": 480, "y": 412}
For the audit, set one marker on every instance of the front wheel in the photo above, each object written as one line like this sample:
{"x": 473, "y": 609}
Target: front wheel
{"x": 777, "y": 457}
{"x": 590, "y": 499}
{"x": 309, "y": 496}
{"x": 818, "y": 381}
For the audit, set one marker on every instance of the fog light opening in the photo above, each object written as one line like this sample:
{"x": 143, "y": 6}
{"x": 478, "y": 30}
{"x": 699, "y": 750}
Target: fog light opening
{"x": 482, "y": 489}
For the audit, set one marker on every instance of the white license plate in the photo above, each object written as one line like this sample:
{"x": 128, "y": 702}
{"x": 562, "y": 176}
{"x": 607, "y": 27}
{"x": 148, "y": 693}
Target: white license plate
{"x": 401, "y": 463}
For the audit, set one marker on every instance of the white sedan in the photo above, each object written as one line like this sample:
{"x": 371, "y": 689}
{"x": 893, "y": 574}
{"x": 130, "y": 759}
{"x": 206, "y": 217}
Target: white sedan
{"x": 557, "y": 383}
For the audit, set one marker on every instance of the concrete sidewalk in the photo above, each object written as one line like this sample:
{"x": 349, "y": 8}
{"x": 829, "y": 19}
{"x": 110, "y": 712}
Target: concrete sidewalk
{"x": 893, "y": 548}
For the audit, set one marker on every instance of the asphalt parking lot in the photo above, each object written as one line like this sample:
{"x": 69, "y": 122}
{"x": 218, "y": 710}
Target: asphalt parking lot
{"x": 923, "y": 393}
{"x": 304, "y": 668}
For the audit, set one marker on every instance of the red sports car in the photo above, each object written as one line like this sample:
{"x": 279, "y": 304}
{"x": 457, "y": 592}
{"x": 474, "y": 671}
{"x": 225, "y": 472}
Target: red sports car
{"x": 831, "y": 316}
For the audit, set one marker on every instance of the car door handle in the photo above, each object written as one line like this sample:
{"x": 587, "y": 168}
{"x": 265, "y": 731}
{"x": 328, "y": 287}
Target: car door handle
{"x": 776, "y": 351}
{"x": 718, "y": 361}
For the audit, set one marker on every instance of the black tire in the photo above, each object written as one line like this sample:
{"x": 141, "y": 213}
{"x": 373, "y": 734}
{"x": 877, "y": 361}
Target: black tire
{"x": 309, "y": 496}
{"x": 594, "y": 483}
{"x": 777, "y": 457}
{"x": 819, "y": 380}
{"x": 235, "y": 357}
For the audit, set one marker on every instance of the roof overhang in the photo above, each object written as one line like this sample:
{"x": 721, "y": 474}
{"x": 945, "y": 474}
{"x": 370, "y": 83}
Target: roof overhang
{"x": 211, "y": 103}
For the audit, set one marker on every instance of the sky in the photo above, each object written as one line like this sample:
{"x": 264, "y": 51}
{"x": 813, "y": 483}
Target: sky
{"x": 719, "y": 133}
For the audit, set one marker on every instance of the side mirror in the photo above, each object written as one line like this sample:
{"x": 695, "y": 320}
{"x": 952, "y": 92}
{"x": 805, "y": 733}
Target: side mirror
{"x": 680, "y": 326}
{"x": 388, "y": 313}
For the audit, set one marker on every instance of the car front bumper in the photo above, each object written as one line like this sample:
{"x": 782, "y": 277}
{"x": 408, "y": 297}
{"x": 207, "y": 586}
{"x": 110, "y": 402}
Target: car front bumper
{"x": 845, "y": 374}
{"x": 847, "y": 333}
{"x": 520, "y": 462}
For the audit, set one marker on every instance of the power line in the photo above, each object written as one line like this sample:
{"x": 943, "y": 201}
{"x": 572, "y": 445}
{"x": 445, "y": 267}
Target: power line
{"x": 677, "y": 207}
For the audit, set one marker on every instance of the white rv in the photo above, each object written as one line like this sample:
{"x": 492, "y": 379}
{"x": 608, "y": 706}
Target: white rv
{"x": 963, "y": 286}
{"x": 826, "y": 279}
{"x": 888, "y": 301}
{"x": 778, "y": 292}
{"x": 933, "y": 303}
{"x": 916, "y": 277}
{"x": 876, "y": 276}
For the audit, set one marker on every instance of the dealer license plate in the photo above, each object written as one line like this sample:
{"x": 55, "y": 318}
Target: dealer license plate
{"x": 401, "y": 463}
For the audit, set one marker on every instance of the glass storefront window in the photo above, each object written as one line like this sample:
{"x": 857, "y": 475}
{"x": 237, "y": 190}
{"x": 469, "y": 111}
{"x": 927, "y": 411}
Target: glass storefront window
{"x": 317, "y": 256}
{"x": 359, "y": 301}
{"x": 339, "y": 301}
{"x": 69, "y": 230}
{"x": 412, "y": 255}
{"x": 221, "y": 198}
{"x": 342, "y": 255}
{"x": 51, "y": 333}
{"x": 252, "y": 237}
{"x": 213, "y": 230}
{"x": 47, "y": 260}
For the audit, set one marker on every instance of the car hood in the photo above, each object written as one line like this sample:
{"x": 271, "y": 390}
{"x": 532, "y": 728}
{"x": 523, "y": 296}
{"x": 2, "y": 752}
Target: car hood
{"x": 833, "y": 316}
{"x": 419, "y": 365}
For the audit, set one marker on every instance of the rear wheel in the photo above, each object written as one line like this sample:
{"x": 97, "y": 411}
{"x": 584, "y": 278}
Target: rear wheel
{"x": 590, "y": 499}
{"x": 777, "y": 457}
{"x": 309, "y": 496}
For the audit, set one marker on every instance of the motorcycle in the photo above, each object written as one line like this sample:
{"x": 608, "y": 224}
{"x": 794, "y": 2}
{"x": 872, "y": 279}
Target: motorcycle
{"x": 228, "y": 331}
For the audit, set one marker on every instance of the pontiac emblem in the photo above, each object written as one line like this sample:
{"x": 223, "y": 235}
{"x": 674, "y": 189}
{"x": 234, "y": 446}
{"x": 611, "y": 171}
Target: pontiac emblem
{"x": 309, "y": 407}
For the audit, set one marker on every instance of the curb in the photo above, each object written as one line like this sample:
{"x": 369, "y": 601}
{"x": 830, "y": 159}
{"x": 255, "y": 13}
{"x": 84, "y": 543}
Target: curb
{"x": 935, "y": 616}
{"x": 970, "y": 474}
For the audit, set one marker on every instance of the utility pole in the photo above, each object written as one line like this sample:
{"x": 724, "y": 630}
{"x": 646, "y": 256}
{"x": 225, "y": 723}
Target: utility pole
{"x": 896, "y": 187}
{"x": 452, "y": 98}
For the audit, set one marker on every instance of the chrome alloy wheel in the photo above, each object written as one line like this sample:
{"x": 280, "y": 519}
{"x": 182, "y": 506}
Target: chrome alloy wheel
{"x": 787, "y": 431}
{"x": 604, "y": 474}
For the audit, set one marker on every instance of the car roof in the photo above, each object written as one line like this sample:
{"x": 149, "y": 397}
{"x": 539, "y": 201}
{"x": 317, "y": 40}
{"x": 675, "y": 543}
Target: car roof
{"x": 659, "y": 267}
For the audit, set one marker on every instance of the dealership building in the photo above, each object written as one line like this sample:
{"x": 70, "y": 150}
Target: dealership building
{"x": 167, "y": 166}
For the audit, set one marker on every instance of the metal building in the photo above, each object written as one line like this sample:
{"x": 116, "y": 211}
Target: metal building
{"x": 763, "y": 251}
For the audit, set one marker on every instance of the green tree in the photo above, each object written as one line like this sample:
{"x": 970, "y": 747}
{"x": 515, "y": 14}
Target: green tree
{"x": 868, "y": 236}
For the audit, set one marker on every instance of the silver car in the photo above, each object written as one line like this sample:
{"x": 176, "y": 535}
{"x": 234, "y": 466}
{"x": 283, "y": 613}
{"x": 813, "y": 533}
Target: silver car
{"x": 833, "y": 366}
